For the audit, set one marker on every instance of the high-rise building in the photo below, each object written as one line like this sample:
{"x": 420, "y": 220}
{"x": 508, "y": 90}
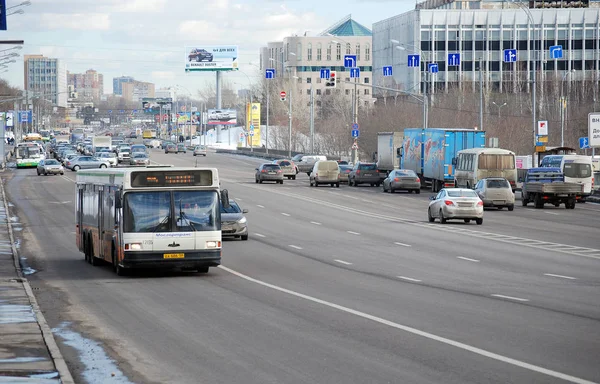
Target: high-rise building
{"x": 118, "y": 84}
{"x": 137, "y": 90}
{"x": 46, "y": 77}
{"x": 460, "y": 35}
{"x": 88, "y": 86}
{"x": 303, "y": 57}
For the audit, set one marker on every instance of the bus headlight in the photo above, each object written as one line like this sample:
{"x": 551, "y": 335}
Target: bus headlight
{"x": 213, "y": 244}
{"x": 133, "y": 246}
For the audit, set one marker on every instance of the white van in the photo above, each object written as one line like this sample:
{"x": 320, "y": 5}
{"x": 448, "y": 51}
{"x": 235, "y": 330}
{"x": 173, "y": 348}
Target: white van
{"x": 325, "y": 172}
{"x": 576, "y": 169}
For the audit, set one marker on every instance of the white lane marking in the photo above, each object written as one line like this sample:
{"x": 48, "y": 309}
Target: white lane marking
{"x": 237, "y": 198}
{"x": 260, "y": 206}
{"x": 514, "y": 240}
{"x": 285, "y": 214}
{"x": 353, "y": 233}
{"x": 365, "y": 200}
{"x": 510, "y": 297}
{"x": 402, "y": 244}
{"x": 343, "y": 262}
{"x": 551, "y": 213}
{"x": 259, "y": 235}
{"x": 409, "y": 279}
{"x": 315, "y": 223}
{"x": 468, "y": 259}
{"x": 295, "y": 246}
{"x": 67, "y": 178}
{"x": 560, "y": 276}
{"x": 418, "y": 332}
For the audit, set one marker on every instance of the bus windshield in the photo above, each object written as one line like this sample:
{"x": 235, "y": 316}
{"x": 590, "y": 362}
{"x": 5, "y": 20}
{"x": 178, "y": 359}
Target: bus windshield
{"x": 151, "y": 211}
{"x": 488, "y": 161}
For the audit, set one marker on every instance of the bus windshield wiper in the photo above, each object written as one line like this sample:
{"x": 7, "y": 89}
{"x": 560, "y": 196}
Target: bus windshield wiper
{"x": 163, "y": 222}
{"x": 182, "y": 215}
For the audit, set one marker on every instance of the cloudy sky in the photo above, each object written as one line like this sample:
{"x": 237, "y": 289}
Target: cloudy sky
{"x": 146, "y": 38}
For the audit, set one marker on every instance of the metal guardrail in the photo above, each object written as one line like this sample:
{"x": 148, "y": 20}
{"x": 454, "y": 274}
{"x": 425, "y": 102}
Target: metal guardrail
{"x": 273, "y": 154}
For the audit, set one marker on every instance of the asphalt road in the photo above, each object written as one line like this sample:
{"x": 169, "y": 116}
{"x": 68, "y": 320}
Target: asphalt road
{"x": 345, "y": 285}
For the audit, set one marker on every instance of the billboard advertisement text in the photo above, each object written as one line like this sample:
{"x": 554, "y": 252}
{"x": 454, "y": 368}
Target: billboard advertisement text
{"x": 222, "y": 117}
{"x": 211, "y": 58}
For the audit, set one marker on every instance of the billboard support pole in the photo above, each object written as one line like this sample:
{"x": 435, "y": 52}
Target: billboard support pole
{"x": 218, "y": 127}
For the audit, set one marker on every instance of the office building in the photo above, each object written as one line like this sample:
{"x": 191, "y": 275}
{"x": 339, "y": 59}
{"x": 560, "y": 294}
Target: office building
{"x": 46, "y": 77}
{"x": 137, "y": 90}
{"x": 118, "y": 84}
{"x": 88, "y": 86}
{"x": 304, "y": 56}
{"x": 457, "y": 35}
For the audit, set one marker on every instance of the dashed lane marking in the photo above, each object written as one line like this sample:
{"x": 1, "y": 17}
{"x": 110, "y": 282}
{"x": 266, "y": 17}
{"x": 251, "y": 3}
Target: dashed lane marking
{"x": 409, "y": 279}
{"x": 510, "y": 298}
{"x": 285, "y": 214}
{"x": 315, "y": 223}
{"x": 468, "y": 259}
{"x": 260, "y": 206}
{"x": 343, "y": 262}
{"x": 295, "y": 246}
{"x": 403, "y": 244}
{"x": 259, "y": 235}
{"x": 415, "y": 331}
{"x": 560, "y": 276}
{"x": 353, "y": 233}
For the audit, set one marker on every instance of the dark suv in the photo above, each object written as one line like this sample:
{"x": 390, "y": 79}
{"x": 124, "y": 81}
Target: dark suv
{"x": 200, "y": 55}
{"x": 364, "y": 173}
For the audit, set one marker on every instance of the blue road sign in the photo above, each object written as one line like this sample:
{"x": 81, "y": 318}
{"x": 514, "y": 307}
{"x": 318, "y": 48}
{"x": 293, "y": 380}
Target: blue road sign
{"x": 350, "y": 61}
{"x": 414, "y": 60}
{"x": 453, "y": 59}
{"x": 355, "y": 133}
{"x": 3, "y": 26}
{"x": 556, "y": 52}
{"x": 269, "y": 73}
{"x": 251, "y": 127}
{"x": 387, "y": 70}
{"x": 584, "y": 143}
{"x": 110, "y": 111}
{"x": 433, "y": 68}
{"x": 354, "y": 72}
{"x": 510, "y": 55}
{"x": 354, "y": 125}
{"x": 325, "y": 73}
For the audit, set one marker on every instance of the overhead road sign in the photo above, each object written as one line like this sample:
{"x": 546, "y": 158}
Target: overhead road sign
{"x": 433, "y": 68}
{"x": 325, "y": 72}
{"x": 510, "y": 55}
{"x": 414, "y": 60}
{"x": 354, "y": 72}
{"x": 454, "y": 59}
{"x": 387, "y": 70}
{"x": 350, "y": 61}
{"x": 556, "y": 52}
{"x": 269, "y": 73}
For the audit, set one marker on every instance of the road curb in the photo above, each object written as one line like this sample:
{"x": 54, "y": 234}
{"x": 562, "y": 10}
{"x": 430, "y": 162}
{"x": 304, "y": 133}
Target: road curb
{"x": 59, "y": 361}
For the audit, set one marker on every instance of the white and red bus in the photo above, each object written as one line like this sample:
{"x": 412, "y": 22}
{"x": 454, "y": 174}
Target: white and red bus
{"x": 152, "y": 217}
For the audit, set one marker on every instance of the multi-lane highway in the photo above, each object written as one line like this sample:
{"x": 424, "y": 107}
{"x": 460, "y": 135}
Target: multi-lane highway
{"x": 345, "y": 285}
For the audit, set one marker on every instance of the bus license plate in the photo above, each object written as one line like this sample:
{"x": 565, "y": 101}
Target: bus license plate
{"x": 174, "y": 255}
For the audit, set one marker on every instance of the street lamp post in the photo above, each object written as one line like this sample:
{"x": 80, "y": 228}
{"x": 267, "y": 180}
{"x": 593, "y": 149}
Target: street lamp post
{"x": 563, "y": 106}
{"x": 289, "y": 96}
{"x": 498, "y": 106}
{"x": 312, "y": 117}
{"x": 425, "y": 96}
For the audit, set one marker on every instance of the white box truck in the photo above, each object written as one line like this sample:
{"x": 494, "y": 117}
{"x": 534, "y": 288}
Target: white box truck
{"x": 102, "y": 142}
{"x": 389, "y": 148}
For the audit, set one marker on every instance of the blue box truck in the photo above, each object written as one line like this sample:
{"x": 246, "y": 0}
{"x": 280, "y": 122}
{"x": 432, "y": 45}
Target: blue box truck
{"x": 431, "y": 153}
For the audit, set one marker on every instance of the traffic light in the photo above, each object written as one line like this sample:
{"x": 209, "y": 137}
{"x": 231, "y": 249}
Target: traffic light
{"x": 330, "y": 83}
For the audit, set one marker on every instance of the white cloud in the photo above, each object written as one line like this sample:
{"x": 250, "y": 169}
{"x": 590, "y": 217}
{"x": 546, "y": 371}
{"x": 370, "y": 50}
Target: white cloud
{"x": 81, "y": 21}
{"x": 163, "y": 75}
{"x": 140, "y": 6}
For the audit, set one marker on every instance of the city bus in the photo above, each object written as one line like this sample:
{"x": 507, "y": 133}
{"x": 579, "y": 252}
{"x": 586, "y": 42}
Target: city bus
{"x": 28, "y": 154}
{"x": 153, "y": 217}
{"x": 575, "y": 168}
{"x": 475, "y": 164}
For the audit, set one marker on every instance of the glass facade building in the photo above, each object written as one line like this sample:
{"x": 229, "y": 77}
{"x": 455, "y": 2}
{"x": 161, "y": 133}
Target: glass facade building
{"x": 48, "y": 77}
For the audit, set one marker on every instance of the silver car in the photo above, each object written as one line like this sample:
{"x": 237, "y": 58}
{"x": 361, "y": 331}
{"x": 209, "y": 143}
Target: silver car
{"x": 496, "y": 192}
{"x": 233, "y": 221}
{"x": 86, "y": 162}
{"x": 455, "y": 203}
{"x": 200, "y": 150}
{"x": 111, "y": 157}
{"x": 50, "y": 167}
{"x": 269, "y": 172}
{"x": 139, "y": 159}
{"x": 402, "y": 180}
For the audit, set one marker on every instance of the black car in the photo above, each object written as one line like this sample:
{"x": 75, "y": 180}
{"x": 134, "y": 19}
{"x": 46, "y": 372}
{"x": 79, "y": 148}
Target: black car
{"x": 200, "y": 55}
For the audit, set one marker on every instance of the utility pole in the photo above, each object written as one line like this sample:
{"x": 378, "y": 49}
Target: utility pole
{"x": 290, "y": 120}
{"x": 480, "y": 95}
{"x": 312, "y": 120}
{"x": 267, "y": 126}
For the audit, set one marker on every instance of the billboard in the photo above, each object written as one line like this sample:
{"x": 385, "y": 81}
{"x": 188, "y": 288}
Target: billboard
{"x": 184, "y": 118}
{"x": 211, "y": 58}
{"x": 222, "y": 117}
{"x": 253, "y": 121}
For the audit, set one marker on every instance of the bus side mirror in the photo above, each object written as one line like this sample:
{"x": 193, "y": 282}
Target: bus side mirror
{"x": 118, "y": 200}
{"x": 225, "y": 198}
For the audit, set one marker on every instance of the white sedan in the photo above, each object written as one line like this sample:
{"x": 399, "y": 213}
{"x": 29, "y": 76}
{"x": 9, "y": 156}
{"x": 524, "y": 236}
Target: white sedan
{"x": 455, "y": 203}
